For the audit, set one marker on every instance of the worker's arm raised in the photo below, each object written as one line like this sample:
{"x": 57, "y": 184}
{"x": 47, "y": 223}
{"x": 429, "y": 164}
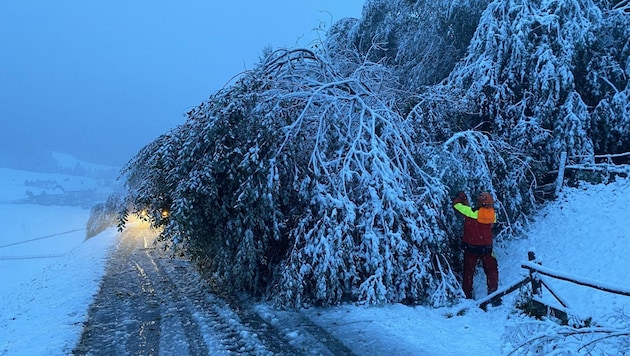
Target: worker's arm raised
{"x": 466, "y": 210}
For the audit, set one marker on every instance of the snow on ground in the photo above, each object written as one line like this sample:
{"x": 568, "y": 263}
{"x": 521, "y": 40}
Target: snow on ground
{"x": 46, "y": 294}
{"x": 15, "y": 185}
{"x": 585, "y": 233}
{"x": 69, "y": 162}
{"x": 49, "y": 271}
{"x": 44, "y": 313}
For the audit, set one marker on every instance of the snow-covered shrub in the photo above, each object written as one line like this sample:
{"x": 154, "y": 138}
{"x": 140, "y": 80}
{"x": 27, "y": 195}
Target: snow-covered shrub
{"x": 372, "y": 212}
{"x": 546, "y": 337}
{"x": 519, "y": 73}
{"x": 537, "y": 69}
{"x": 607, "y": 85}
{"x": 104, "y": 215}
{"x": 529, "y": 82}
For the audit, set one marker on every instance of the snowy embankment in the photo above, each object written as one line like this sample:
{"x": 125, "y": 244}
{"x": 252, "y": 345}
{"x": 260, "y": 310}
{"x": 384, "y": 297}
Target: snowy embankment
{"x": 45, "y": 298}
{"x": 49, "y": 271}
{"x": 42, "y": 311}
{"x": 583, "y": 234}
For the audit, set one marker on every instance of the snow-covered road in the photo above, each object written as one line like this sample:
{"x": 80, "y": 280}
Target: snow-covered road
{"x": 151, "y": 304}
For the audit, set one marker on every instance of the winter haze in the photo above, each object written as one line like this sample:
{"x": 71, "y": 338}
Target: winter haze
{"x": 99, "y": 80}
{"x": 322, "y": 180}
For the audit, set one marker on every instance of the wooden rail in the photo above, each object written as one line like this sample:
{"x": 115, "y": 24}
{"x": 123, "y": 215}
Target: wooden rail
{"x": 608, "y": 166}
{"x": 537, "y": 284}
{"x": 606, "y": 287}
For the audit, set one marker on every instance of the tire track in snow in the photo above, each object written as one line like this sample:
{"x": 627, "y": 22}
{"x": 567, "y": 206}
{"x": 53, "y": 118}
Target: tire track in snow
{"x": 218, "y": 317}
{"x": 125, "y": 317}
{"x": 244, "y": 328}
{"x": 174, "y": 302}
{"x": 151, "y": 304}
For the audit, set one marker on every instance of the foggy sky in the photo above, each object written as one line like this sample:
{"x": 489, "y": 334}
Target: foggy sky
{"x": 101, "y": 79}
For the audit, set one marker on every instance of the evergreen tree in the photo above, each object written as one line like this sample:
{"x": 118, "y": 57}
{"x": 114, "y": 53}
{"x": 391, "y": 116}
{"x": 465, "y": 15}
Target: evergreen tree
{"x": 298, "y": 183}
{"x": 421, "y": 40}
{"x": 324, "y": 175}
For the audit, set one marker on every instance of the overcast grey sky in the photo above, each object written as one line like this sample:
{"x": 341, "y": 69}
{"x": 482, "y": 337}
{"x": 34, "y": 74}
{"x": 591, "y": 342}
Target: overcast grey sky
{"x": 101, "y": 79}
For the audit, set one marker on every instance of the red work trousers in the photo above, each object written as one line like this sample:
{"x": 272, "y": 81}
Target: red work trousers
{"x": 490, "y": 267}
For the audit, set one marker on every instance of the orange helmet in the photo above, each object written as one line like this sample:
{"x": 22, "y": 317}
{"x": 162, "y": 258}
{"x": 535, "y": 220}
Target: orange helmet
{"x": 485, "y": 199}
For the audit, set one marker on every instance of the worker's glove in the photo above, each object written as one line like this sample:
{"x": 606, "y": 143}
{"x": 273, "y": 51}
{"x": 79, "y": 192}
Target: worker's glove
{"x": 461, "y": 198}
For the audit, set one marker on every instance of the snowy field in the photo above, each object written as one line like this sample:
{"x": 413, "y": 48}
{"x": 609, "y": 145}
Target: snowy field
{"x": 50, "y": 274}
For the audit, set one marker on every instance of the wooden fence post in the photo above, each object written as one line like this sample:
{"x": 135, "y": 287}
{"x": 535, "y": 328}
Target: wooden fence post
{"x": 538, "y": 307}
{"x": 536, "y": 285}
{"x": 561, "y": 167}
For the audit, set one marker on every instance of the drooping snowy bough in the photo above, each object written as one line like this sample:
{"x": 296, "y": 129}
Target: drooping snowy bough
{"x": 299, "y": 184}
{"x": 324, "y": 176}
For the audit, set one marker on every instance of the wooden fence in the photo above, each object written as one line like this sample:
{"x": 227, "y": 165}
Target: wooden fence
{"x": 607, "y": 163}
{"x": 537, "y": 284}
{"x": 598, "y": 163}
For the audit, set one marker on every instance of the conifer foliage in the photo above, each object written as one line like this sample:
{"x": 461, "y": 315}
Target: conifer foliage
{"x": 324, "y": 176}
{"x": 300, "y": 183}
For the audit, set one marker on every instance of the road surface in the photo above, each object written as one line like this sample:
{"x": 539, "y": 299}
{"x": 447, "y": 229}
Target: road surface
{"x": 152, "y": 304}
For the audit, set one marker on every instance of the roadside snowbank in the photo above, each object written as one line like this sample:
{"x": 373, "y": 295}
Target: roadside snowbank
{"x": 45, "y": 315}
